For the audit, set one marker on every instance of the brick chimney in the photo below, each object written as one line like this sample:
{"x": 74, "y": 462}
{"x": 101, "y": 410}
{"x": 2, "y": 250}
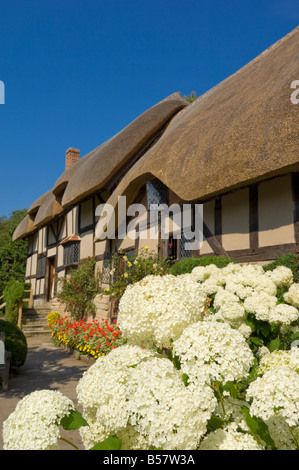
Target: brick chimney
{"x": 71, "y": 157}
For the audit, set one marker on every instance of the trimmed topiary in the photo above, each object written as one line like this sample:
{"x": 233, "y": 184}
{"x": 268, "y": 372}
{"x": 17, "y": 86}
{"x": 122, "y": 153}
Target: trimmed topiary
{"x": 15, "y": 342}
{"x": 186, "y": 265}
{"x": 290, "y": 261}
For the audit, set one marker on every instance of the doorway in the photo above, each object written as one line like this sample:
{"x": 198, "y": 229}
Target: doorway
{"x": 51, "y": 277}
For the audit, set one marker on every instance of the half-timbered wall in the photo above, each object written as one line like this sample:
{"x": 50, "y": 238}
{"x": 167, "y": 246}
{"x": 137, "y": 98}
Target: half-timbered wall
{"x": 257, "y": 223}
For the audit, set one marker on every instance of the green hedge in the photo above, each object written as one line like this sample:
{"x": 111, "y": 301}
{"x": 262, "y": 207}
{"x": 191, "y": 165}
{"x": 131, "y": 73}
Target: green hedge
{"x": 15, "y": 342}
{"x": 290, "y": 261}
{"x": 13, "y": 294}
{"x": 186, "y": 265}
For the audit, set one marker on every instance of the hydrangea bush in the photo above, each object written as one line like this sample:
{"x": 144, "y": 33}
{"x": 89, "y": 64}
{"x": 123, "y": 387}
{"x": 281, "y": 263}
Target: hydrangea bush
{"x": 211, "y": 361}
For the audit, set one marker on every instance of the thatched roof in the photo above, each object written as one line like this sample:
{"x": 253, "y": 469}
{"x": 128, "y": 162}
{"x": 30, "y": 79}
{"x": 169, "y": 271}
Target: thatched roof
{"x": 244, "y": 130}
{"x": 95, "y": 169}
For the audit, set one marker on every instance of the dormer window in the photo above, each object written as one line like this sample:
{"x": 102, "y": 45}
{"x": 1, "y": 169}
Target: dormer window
{"x": 156, "y": 193}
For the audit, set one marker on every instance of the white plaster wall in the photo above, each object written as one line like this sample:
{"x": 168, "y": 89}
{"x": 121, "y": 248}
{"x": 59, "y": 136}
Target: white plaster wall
{"x": 275, "y": 216}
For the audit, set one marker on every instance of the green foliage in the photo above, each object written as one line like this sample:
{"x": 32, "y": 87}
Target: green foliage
{"x": 290, "y": 261}
{"x": 191, "y": 98}
{"x": 127, "y": 270}
{"x": 13, "y": 255}
{"x": 13, "y": 295}
{"x": 111, "y": 443}
{"x": 186, "y": 265}
{"x": 15, "y": 342}
{"x": 258, "y": 428}
{"x": 74, "y": 420}
{"x": 78, "y": 290}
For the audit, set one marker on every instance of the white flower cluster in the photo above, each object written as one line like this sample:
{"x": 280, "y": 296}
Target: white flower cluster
{"x": 102, "y": 392}
{"x": 243, "y": 289}
{"x": 276, "y": 393}
{"x": 213, "y": 349}
{"x": 292, "y": 296}
{"x": 158, "y": 309}
{"x": 143, "y": 398}
{"x": 229, "y": 438}
{"x": 276, "y": 359}
{"x": 34, "y": 424}
{"x": 172, "y": 415}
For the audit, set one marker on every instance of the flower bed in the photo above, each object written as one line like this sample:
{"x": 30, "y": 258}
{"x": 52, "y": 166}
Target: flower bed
{"x": 92, "y": 339}
{"x": 211, "y": 361}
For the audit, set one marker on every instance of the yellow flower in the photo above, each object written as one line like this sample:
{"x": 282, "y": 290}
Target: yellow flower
{"x": 129, "y": 264}
{"x": 146, "y": 247}
{"x": 125, "y": 258}
{"x": 126, "y": 275}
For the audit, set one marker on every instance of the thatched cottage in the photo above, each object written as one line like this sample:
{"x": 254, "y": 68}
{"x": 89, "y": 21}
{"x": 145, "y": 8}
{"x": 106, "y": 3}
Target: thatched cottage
{"x": 235, "y": 150}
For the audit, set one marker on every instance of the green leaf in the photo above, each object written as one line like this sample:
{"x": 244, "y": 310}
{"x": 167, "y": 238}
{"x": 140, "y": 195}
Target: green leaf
{"x": 265, "y": 329}
{"x": 74, "y": 420}
{"x": 231, "y": 388}
{"x": 274, "y": 345}
{"x": 258, "y": 427}
{"x": 185, "y": 378}
{"x": 215, "y": 422}
{"x": 111, "y": 443}
{"x": 256, "y": 341}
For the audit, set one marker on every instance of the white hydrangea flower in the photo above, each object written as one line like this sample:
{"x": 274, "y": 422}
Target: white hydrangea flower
{"x": 229, "y": 308}
{"x": 229, "y": 438}
{"x": 161, "y": 407}
{"x": 260, "y": 305}
{"x": 292, "y": 295}
{"x": 262, "y": 351}
{"x": 276, "y": 393}
{"x": 288, "y": 359}
{"x": 214, "y": 349}
{"x": 281, "y": 276}
{"x": 244, "y": 329}
{"x": 102, "y": 389}
{"x": 34, "y": 424}
{"x": 283, "y": 313}
{"x": 158, "y": 308}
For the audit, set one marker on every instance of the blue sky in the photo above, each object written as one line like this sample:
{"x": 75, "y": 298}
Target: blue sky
{"x": 78, "y": 71}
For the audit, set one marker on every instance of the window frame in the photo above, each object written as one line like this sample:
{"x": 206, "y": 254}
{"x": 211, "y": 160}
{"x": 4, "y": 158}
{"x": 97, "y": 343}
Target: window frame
{"x": 71, "y": 247}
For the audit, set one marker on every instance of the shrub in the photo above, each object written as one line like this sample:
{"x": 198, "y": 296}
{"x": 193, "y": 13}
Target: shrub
{"x": 186, "y": 265}
{"x": 13, "y": 294}
{"x": 127, "y": 270}
{"x": 229, "y": 381}
{"x": 78, "y": 291}
{"x": 15, "y": 342}
{"x": 291, "y": 261}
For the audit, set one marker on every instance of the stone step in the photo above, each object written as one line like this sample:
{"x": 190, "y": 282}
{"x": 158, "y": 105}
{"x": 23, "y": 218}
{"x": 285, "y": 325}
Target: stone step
{"x": 35, "y": 322}
{"x": 32, "y": 332}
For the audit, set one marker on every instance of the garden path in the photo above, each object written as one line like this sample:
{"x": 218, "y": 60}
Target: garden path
{"x": 46, "y": 367}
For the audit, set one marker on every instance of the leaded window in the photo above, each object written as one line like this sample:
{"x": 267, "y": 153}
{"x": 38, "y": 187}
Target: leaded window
{"x": 156, "y": 192}
{"x": 107, "y": 266}
{"x": 41, "y": 267}
{"x": 185, "y": 250}
{"x": 71, "y": 254}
